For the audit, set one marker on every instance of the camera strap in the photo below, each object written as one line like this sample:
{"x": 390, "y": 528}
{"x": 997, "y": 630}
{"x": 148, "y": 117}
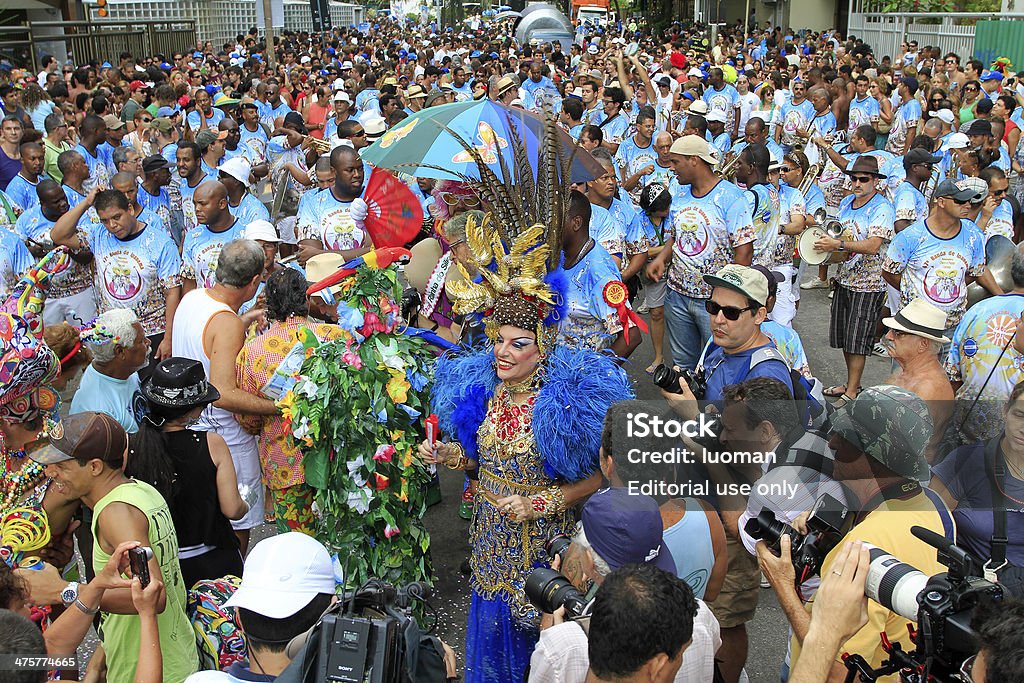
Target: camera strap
{"x": 994, "y": 469}
{"x": 903, "y": 491}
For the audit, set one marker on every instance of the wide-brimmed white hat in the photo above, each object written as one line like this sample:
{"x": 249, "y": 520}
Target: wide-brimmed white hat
{"x": 920, "y": 319}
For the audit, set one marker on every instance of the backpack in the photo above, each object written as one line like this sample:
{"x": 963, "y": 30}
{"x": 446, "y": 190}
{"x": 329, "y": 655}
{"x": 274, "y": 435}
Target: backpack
{"x": 219, "y": 637}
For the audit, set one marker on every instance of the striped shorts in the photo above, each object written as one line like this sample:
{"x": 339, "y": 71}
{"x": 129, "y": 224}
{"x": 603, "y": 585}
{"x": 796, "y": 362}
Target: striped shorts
{"x": 854, "y": 319}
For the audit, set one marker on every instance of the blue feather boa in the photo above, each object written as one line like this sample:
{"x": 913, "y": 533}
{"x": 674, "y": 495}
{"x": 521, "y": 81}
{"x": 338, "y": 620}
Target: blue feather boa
{"x": 568, "y": 415}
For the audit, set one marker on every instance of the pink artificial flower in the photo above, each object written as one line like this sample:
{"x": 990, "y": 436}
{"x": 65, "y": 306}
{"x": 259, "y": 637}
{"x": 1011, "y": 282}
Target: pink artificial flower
{"x": 384, "y": 453}
{"x": 390, "y": 531}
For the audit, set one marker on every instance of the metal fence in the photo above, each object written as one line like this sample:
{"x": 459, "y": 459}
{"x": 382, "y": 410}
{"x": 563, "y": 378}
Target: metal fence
{"x": 103, "y": 41}
{"x": 950, "y": 32}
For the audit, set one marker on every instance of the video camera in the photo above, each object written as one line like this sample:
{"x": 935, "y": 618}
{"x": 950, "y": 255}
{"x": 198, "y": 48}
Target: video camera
{"x": 369, "y": 636}
{"x": 941, "y": 605}
{"x": 828, "y": 522}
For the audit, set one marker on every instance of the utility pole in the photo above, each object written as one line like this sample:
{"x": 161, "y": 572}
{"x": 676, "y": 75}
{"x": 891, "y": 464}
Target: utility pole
{"x": 268, "y": 29}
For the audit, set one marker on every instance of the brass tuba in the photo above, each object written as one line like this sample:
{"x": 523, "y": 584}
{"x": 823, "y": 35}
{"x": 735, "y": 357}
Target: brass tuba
{"x": 998, "y": 258}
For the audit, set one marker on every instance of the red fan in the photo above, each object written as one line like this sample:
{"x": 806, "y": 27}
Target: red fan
{"x": 396, "y": 216}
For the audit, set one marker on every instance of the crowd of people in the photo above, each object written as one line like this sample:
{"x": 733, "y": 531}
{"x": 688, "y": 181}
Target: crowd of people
{"x": 163, "y": 219}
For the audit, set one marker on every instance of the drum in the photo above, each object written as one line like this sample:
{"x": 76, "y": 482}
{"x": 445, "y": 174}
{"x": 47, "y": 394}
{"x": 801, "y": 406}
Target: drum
{"x": 805, "y": 247}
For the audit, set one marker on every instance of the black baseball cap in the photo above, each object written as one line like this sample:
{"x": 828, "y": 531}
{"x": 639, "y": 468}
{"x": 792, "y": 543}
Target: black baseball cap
{"x": 154, "y": 162}
{"x": 84, "y": 437}
{"x": 920, "y": 156}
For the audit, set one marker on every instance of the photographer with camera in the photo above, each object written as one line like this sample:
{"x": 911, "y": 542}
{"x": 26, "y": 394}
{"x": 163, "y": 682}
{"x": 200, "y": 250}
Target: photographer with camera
{"x": 982, "y": 484}
{"x": 738, "y": 349}
{"x": 879, "y": 441}
{"x": 617, "y": 530}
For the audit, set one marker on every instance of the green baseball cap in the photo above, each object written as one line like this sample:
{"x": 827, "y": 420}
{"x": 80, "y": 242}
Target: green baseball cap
{"x": 890, "y": 424}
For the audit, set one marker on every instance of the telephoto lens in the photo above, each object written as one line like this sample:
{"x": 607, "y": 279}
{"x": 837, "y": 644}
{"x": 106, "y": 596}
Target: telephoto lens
{"x": 548, "y": 590}
{"x": 557, "y": 545}
{"x": 894, "y": 584}
{"x": 667, "y": 378}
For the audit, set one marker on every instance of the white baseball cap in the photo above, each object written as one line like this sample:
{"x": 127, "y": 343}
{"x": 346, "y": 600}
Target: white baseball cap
{"x": 282, "y": 574}
{"x": 346, "y": 64}
{"x": 261, "y": 230}
{"x": 944, "y": 115}
{"x": 238, "y": 168}
{"x": 695, "y": 72}
{"x": 716, "y": 115}
{"x": 342, "y": 96}
{"x": 957, "y": 141}
{"x": 304, "y": 59}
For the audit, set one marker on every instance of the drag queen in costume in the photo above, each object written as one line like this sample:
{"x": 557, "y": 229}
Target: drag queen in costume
{"x": 528, "y": 413}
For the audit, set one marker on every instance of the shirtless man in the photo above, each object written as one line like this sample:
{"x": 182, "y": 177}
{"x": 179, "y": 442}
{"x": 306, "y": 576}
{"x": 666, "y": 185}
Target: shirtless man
{"x": 914, "y": 340}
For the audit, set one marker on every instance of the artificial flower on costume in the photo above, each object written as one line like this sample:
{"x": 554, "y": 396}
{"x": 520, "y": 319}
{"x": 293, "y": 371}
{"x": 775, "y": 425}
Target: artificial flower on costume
{"x": 384, "y": 453}
{"x": 380, "y": 481}
{"x": 390, "y": 531}
{"x": 398, "y": 388}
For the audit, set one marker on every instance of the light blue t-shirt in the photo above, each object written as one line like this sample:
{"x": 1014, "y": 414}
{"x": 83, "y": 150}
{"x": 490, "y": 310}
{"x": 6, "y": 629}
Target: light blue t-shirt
{"x": 249, "y": 209}
{"x": 99, "y": 167}
{"x": 607, "y": 231}
{"x": 118, "y": 398}
{"x": 23, "y": 192}
{"x": 134, "y": 273}
{"x": 15, "y": 259}
{"x": 615, "y": 128}
{"x": 631, "y": 158}
{"x": 212, "y": 120}
{"x": 725, "y": 100}
{"x": 793, "y": 117}
{"x": 903, "y": 121}
{"x": 256, "y": 141}
{"x": 590, "y": 320}
{"x": 936, "y": 269}
{"x": 325, "y": 219}
{"x": 200, "y": 251}
{"x": 765, "y": 207}
{"x": 706, "y": 230}
{"x": 188, "y": 205}
{"x": 368, "y": 100}
{"x": 159, "y": 204}
{"x": 909, "y": 204}
{"x": 863, "y": 111}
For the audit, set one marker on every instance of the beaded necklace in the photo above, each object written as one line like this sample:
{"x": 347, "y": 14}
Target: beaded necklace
{"x": 16, "y": 483}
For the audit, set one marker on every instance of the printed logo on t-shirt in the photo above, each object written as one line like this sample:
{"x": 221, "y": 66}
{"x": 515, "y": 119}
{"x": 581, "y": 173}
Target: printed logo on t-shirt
{"x": 942, "y": 282}
{"x": 691, "y": 231}
{"x": 122, "y": 275}
{"x": 1000, "y": 329}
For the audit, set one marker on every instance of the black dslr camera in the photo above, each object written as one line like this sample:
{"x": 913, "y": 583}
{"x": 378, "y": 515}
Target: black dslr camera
{"x": 828, "y": 523}
{"x": 668, "y": 379}
{"x": 548, "y": 590}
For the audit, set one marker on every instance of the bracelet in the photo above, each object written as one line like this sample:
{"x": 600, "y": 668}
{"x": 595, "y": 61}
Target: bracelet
{"x": 549, "y": 502}
{"x": 91, "y": 611}
{"x": 458, "y": 460}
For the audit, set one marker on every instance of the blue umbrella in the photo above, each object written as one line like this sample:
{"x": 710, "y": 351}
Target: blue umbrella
{"x": 432, "y": 143}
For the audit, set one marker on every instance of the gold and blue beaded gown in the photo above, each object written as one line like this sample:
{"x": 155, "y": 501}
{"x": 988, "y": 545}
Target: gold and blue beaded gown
{"x": 502, "y": 630}
{"x": 551, "y": 439}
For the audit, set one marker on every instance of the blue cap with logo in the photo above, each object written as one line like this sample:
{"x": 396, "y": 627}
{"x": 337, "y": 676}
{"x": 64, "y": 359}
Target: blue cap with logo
{"x": 626, "y": 529}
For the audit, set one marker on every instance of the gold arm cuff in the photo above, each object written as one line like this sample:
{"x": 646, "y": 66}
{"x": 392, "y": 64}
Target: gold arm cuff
{"x": 548, "y": 503}
{"x": 457, "y": 460}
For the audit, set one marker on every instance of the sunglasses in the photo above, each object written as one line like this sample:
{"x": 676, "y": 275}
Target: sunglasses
{"x": 360, "y": 134}
{"x": 960, "y": 202}
{"x": 970, "y": 89}
{"x": 786, "y": 169}
{"x": 451, "y": 199}
{"x": 730, "y": 312}
{"x": 998, "y": 193}
{"x": 862, "y": 179}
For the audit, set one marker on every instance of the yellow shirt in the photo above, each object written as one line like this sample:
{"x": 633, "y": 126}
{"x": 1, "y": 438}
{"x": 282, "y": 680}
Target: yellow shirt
{"x": 888, "y": 528}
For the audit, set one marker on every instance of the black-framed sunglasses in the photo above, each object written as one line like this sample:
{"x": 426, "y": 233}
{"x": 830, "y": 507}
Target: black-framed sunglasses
{"x": 786, "y": 169}
{"x": 862, "y": 179}
{"x": 730, "y": 312}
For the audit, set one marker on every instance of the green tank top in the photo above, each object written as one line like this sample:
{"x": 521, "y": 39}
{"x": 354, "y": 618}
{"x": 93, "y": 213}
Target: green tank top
{"x": 967, "y": 113}
{"x": 120, "y": 632}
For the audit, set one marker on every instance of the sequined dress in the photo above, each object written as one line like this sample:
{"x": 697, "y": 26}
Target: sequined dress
{"x": 502, "y": 629}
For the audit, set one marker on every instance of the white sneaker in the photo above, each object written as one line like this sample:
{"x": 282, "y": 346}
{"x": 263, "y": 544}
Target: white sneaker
{"x": 816, "y": 283}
